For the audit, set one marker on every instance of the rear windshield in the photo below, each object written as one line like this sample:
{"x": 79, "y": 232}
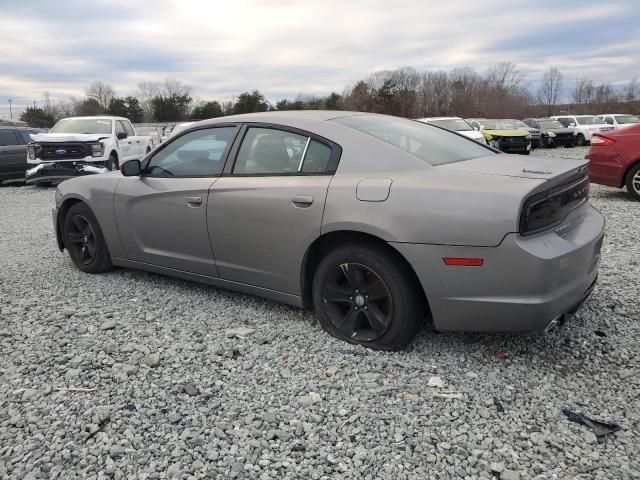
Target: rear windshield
{"x": 589, "y": 121}
{"x": 456, "y": 125}
{"x": 431, "y": 144}
{"x": 551, "y": 124}
{"x": 82, "y": 125}
{"x": 625, "y": 119}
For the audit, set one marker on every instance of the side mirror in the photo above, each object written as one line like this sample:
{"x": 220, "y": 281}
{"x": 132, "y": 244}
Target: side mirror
{"x": 131, "y": 168}
{"x": 121, "y": 135}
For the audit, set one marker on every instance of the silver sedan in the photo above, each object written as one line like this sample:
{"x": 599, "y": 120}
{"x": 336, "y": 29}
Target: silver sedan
{"x": 375, "y": 221}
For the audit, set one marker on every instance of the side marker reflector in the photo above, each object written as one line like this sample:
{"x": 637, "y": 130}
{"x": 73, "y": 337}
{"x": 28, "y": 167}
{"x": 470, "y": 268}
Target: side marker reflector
{"x": 463, "y": 262}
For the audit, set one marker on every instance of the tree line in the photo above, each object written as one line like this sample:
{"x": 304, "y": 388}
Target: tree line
{"x": 499, "y": 92}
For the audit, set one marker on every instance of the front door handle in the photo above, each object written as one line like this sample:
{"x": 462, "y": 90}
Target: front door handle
{"x": 302, "y": 200}
{"x": 194, "y": 201}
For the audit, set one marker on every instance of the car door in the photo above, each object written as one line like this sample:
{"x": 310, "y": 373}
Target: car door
{"x": 124, "y": 142}
{"x": 161, "y": 214}
{"x": 13, "y": 154}
{"x": 267, "y": 209}
{"x": 137, "y": 147}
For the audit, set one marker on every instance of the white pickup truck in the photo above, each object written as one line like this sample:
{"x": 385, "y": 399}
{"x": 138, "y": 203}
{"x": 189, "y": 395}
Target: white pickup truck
{"x": 81, "y": 146}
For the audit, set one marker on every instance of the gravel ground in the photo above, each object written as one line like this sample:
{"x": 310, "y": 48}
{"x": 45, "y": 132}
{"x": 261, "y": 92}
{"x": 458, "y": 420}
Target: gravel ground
{"x": 177, "y": 397}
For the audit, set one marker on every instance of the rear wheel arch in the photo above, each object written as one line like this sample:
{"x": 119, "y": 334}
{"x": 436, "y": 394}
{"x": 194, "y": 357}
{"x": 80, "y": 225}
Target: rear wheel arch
{"x": 331, "y": 240}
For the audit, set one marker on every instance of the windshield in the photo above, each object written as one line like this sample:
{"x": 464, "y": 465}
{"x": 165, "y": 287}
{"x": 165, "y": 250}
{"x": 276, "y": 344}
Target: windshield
{"x": 82, "y": 125}
{"x": 453, "y": 124}
{"x": 433, "y": 145}
{"x": 550, "y": 124}
{"x": 501, "y": 124}
{"x": 589, "y": 120}
{"x": 626, "y": 119}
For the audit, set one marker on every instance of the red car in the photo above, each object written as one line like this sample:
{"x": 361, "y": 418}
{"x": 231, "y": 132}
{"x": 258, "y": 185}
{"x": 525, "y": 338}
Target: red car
{"x": 614, "y": 159}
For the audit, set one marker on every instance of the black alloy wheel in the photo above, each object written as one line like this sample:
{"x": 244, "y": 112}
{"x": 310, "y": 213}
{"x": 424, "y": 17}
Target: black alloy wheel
{"x": 82, "y": 239}
{"x": 366, "y": 293}
{"x": 358, "y": 302}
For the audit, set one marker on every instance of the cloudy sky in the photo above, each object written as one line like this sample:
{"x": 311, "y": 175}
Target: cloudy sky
{"x": 284, "y": 47}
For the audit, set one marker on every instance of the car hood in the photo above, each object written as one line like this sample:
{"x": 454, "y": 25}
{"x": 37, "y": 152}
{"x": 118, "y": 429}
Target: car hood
{"x": 559, "y": 130}
{"x": 68, "y": 137}
{"x": 504, "y": 133}
{"x": 502, "y": 164}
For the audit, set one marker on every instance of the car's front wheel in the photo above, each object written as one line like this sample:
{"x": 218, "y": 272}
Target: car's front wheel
{"x": 580, "y": 140}
{"x": 366, "y": 294}
{"x": 112, "y": 163}
{"x": 633, "y": 181}
{"x": 84, "y": 240}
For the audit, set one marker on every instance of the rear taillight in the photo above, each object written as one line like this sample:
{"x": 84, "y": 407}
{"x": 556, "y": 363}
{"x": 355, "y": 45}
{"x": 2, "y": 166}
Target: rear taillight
{"x": 601, "y": 141}
{"x": 548, "y": 209}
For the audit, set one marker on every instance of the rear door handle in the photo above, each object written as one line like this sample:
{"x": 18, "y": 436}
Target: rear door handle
{"x": 302, "y": 200}
{"x": 194, "y": 201}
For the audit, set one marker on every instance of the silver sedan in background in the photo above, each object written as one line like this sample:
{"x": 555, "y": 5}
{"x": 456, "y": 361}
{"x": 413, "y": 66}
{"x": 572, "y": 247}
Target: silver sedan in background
{"x": 375, "y": 221}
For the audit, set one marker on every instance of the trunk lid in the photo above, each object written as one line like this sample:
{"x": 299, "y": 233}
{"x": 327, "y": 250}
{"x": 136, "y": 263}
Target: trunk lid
{"x": 550, "y": 169}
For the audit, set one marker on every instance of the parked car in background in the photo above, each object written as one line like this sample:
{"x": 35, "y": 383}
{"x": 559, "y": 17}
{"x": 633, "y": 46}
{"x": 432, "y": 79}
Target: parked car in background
{"x": 620, "y": 120}
{"x": 377, "y": 221}
{"x": 583, "y": 126}
{"x": 83, "y": 145}
{"x": 534, "y": 132}
{"x": 153, "y": 133}
{"x": 179, "y": 127}
{"x": 614, "y": 159}
{"x": 13, "y": 152}
{"x": 456, "y": 124}
{"x": 503, "y": 135}
{"x": 552, "y": 132}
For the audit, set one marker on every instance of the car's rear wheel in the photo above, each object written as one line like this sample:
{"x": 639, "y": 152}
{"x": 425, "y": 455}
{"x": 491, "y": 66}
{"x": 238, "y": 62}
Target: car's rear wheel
{"x": 112, "y": 163}
{"x": 633, "y": 181}
{"x": 367, "y": 295}
{"x": 580, "y": 140}
{"x": 84, "y": 240}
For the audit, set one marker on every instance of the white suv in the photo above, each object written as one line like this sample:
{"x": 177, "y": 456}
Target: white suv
{"x": 620, "y": 120}
{"x": 583, "y": 126}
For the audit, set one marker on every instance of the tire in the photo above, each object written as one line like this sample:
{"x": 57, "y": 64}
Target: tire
{"x": 342, "y": 284}
{"x": 580, "y": 140}
{"x": 84, "y": 241}
{"x": 112, "y": 163}
{"x": 632, "y": 181}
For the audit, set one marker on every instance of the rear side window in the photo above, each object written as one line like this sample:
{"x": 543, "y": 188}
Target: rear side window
{"x": 564, "y": 121}
{"x": 268, "y": 151}
{"x": 427, "y": 142}
{"x": 7, "y": 137}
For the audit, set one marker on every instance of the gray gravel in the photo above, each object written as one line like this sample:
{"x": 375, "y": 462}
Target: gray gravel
{"x": 178, "y": 396}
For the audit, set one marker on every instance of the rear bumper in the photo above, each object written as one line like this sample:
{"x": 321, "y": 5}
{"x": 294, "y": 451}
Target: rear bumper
{"x": 52, "y": 172}
{"x": 525, "y": 283}
{"x": 606, "y": 167}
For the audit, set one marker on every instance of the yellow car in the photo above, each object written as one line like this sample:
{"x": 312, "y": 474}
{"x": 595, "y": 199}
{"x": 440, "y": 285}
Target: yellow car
{"x": 503, "y": 135}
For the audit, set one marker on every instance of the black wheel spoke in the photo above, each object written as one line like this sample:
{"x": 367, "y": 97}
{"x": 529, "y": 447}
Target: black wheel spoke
{"x": 348, "y": 325}
{"x": 353, "y": 274}
{"x": 335, "y": 293}
{"x": 377, "y": 319}
{"x": 376, "y": 291}
{"x": 75, "y": 237}
{"x": 91, "y": 250}
{"x": 79, "y": 223}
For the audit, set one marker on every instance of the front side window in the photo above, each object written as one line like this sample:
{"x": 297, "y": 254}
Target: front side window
{"x": 120, "y": 128}
{"x": 427, "y": 142}
{"x": 129, "y": 129}
{"x": 7, "y": 138}
{"x": 195, "y": 154}
{"x": 565, "y": 121}
{"x": 267, "y": 151}
{"x": 83, "y": 125}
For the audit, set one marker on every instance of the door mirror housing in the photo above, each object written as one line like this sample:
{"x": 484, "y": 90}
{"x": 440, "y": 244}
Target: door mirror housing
{"x": 131, "y": 168}
{"x": 121, "y": 135}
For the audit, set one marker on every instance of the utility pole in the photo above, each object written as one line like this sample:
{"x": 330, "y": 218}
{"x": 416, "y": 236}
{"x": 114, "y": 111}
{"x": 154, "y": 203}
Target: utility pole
{"x": 10, "y": 111}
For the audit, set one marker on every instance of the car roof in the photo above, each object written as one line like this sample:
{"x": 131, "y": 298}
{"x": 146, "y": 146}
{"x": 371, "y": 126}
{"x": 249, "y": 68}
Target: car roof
{"x": 440, "y": 118}
{"x": 96, "y": 117}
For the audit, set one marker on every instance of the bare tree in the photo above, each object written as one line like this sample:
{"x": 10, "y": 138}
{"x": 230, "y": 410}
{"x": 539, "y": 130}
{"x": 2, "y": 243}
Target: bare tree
{"x": 582, "y": 93}
{"x": 604, "y": 95}
{"x": 102, "y": 93}
{"x": 631, "y": 91}
{"x": 550, "y": 89}
{"x": 146, "y": 92}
